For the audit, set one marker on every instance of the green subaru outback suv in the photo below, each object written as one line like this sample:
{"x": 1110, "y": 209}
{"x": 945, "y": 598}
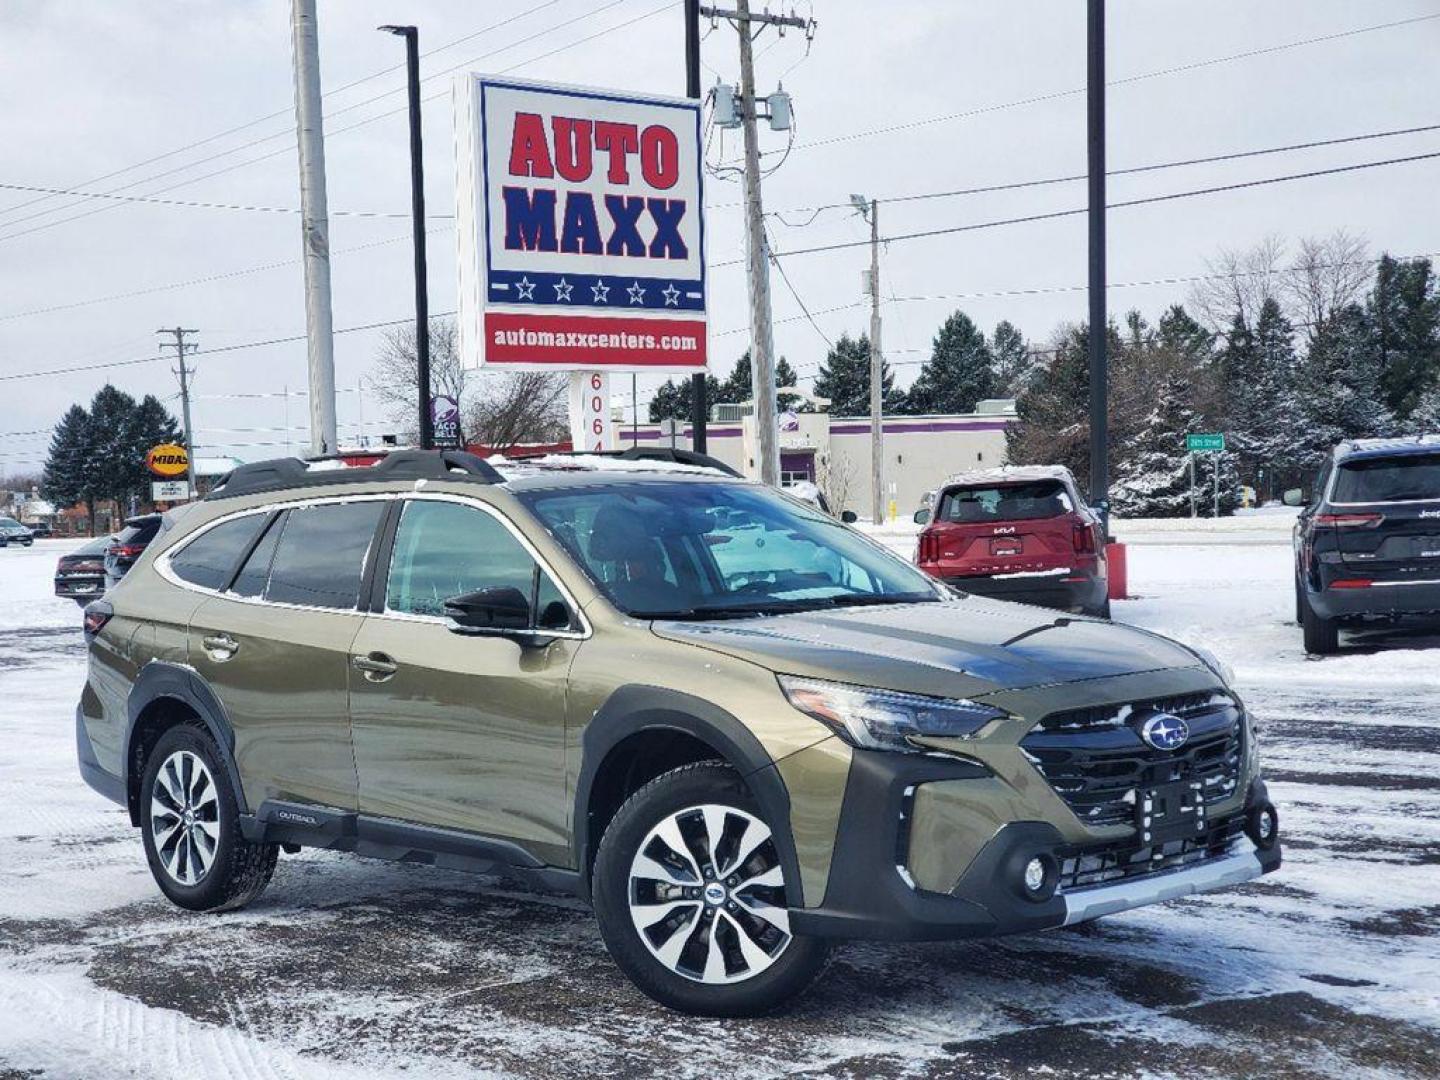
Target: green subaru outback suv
{"x": 738, "y": 728}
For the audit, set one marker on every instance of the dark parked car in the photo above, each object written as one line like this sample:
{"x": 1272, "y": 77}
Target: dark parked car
{"x": 1367, "y": 543}
{"x": 12, "y": 532}
{"x": 40, "y": 530}
{"x": 1020, "y": 533}
{"x": 80, "y": 574}
{"x": 128, "y": 545}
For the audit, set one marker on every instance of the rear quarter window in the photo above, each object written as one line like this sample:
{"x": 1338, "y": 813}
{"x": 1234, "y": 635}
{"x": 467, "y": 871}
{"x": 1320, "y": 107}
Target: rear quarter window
{"x": 209, "y": 560}
{"x": 1004, "y": 502}
{"x": 1411, "y": 478}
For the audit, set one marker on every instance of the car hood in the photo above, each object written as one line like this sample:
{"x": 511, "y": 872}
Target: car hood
{"x": 966, "y": 647}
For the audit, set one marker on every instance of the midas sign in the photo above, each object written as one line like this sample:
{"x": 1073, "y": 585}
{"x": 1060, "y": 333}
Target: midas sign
{"x": 167, "y": 459}
{"x": 581, "y": 239}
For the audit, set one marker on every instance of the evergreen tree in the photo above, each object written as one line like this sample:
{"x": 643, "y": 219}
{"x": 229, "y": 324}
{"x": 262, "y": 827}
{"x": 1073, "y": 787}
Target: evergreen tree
{"x": 785, "y": 376}
{"x": 69, "y": 476}
{"x": 1152, "y": 471}
{"x": 1180, "y": 333}
{"x": 844, "y": 378}
{"x": 1261, "y": 414}
{"x": 1404, "y": 313}
{"x": 1053, "y": 409}
{"x": 1424, "y": 419}
{"x": 1340, "y": 384}
{"x": 1011, "y": 357}
{"x": 960, "y": 371}
{"x": 672, "y": 400}
{"x": 119, "y": 463}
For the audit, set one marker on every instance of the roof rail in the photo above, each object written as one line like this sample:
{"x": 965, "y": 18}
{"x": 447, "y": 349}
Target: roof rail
{"x": 648, "y": 453}
{"x": 278, "y": 474}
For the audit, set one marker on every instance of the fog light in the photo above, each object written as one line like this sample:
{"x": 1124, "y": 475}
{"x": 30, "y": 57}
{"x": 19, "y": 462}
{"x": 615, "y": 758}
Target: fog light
{"x": 1034, "y": 875}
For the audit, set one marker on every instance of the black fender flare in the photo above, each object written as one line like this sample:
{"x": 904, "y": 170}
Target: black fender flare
{"x": 160, "y": 679}
{"x": 636, "y": 708}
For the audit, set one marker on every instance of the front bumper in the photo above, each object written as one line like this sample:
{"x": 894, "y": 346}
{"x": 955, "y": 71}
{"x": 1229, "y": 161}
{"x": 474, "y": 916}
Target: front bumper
{"x": 873, "y": 894}
{"x": 1073, "y": 590}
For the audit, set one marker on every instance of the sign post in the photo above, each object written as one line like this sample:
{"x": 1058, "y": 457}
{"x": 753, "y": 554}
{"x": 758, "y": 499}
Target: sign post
{"x": 1210, "y": 442}
{"x": 581, "y": 239}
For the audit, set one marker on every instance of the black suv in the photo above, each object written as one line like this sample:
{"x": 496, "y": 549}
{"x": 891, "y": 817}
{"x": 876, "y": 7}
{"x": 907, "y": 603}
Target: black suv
{"x": 1367, "y": 544}
{"x": 128, "y": 545}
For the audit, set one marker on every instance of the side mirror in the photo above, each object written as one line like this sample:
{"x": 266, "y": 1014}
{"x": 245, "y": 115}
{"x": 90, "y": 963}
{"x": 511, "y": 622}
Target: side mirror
{"x": 849, "y": 517}
{"x": 1294, "y": 497}
{"x": 499, "y": 608}
{"x": 922, "y": 517}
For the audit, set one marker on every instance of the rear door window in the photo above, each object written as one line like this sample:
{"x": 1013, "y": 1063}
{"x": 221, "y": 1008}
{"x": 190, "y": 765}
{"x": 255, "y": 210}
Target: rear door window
{"x": 209, "y": 559}
{"x": 320, "y": 557}
{"x": 1412, "y": 478}
{"x": 256, "y": 571}
{"x": 1004, "y": 502}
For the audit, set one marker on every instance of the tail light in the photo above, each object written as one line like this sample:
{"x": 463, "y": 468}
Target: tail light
{"x": 125, "y": 551}
{"x": 929, "y": 550}
{"x": 1351, "y": 583}
{"x": 1350, "y": 521}
{"x": 1083, "y": 537}
{"x": 97, "y": 614}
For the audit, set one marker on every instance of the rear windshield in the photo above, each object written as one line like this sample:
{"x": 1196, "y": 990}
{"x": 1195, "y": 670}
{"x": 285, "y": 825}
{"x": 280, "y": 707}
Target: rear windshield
{"x": 1005, "y": 502}
{"x": 138, "y": 534}
{"x": 1397, "y": 479}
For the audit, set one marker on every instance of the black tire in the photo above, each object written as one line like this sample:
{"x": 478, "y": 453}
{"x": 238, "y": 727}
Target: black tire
{"x": 1299, "y": 603}
{"x": 239, "y": 870}
{"x": 1101, "y": 612}
{"x": 1321, "y": 635}
{"x": 708, "y": 782}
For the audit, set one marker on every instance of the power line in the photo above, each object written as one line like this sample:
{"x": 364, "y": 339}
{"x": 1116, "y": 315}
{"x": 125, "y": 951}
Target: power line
{"x": 288, "y": 111}
{"x": 1051, "y": 215}
{"x": 199, "y": 205}
{"x": 1057, "y": 94}
{"x": 1135, "y": 169}
{"x": 338, "y": 131}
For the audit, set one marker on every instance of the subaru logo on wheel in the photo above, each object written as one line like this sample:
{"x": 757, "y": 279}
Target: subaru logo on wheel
{"x": 1165, "y": 732}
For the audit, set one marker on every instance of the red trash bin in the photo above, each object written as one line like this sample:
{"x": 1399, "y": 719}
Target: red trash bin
{"x": 1119, "y": 571}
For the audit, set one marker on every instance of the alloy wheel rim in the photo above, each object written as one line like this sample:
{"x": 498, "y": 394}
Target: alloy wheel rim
{"x": 707, "y": 895}
{"x": 185, "y": 817}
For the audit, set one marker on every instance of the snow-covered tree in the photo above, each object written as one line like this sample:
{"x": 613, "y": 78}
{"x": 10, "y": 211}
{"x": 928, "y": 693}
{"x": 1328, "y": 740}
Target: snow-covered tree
{"x": 1404, "y": 314}
{"x": 1340, "y": 386}
{"x": 1012, "y": 357}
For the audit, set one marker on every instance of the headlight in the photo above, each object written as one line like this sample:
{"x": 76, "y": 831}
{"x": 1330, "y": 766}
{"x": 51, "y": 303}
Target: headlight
{"x": 1215, "y": 664}
{"x": 885, "y": 719}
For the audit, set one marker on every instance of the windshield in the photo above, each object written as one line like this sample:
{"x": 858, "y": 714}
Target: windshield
{"x": 1397, "y": 479}
{"x": 1004, "y": 502}
{"x": 9, "y": 523}
{"x": 691, "y": 550}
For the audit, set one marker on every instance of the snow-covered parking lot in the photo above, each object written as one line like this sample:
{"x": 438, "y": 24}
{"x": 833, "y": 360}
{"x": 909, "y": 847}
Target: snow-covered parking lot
{"x": 350, "y": 968}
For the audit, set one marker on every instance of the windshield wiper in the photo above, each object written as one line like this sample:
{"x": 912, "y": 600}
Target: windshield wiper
{"x": 721, "y": 611}
{"x": 871, "y": 599}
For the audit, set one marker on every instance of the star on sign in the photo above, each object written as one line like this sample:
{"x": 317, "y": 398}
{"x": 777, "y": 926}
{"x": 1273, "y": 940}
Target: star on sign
{"x": 601, "y": 291}
{"x": 672, "y": 295}
{"x": 562, "y": 290}
{"x": 637, "y": 294}
{"x": 525, "y": 288}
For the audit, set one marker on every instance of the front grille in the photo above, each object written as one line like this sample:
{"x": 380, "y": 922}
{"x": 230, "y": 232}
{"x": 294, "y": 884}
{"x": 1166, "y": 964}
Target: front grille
{"x": 1098, "y": 768}
{"x": 1083, "y": 868}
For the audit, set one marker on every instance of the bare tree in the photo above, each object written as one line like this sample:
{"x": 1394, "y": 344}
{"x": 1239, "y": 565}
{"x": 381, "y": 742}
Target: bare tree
{"x": 518, "y": 407}
{"x": 396, "y": 374}
{"x": 1330, "y": 273}
{"x": 1239, "y": 282}
{"x": 837, "y": 481}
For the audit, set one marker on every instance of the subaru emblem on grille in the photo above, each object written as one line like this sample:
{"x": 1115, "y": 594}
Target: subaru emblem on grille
{"x": 1165, "y": 732}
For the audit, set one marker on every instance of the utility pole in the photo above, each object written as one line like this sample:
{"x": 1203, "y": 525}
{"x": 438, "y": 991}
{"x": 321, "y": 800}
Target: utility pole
{"x": 417, "y": 214}
{"x": 181, "y": 347}
{"x": 315, "y": 223}
{"x": 1099, "y": 320}
{"x": 877, "y": 370}
{"x": 762, "y": 349}
{"x": 699, "y": 407}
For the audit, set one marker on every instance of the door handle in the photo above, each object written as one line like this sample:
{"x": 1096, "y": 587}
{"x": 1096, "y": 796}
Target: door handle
{"x": 221, "y": 647}
{"x": 377, "y": 667}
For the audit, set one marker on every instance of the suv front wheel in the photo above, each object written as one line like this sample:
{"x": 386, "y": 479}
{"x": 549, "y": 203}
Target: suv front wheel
{"x": 188, "y": 819}
{"x": 691, "y": 898}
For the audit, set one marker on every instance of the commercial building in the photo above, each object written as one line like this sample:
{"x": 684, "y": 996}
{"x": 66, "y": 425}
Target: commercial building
{"x": 834, "y": 451}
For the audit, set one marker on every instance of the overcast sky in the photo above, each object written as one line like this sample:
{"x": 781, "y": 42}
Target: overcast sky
{"x": 95, "y": 88}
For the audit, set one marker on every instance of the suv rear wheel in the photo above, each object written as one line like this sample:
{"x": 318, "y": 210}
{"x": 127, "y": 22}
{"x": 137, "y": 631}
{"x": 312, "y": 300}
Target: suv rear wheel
{"x": 1322, "y": 635}
{"x": 691, "y": 898}
{"x": 190, "y": 826}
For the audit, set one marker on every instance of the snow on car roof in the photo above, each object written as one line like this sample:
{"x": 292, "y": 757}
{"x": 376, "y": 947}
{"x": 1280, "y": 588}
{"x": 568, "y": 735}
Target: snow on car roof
{"x": 1407, "y": 444}
{"x": 1010, "y": 474}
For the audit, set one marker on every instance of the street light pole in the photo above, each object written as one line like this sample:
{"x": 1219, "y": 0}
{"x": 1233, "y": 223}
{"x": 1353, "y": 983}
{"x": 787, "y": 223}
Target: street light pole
{"x": 1099, "y": 320}
{"x": 417, "y": 214}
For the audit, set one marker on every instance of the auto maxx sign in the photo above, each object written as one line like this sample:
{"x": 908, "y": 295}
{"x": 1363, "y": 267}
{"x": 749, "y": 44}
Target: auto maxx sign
{"x": 580, "y": 228}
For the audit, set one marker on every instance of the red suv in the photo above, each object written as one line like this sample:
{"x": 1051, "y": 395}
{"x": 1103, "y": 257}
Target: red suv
{"x": 1018, "y": 533}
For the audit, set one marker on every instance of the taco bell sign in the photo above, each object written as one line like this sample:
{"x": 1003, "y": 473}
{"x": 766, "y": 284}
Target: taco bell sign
{"x": 582, "y": 241}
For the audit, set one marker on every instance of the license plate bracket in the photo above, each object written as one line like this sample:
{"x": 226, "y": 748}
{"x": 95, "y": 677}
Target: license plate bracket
{"x": 1168, "y": 812}
{"x": 1006, "y": 546}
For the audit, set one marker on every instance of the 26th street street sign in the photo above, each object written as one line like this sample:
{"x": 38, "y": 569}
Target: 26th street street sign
{"x": 579, "y": 219}
{"x": 1196, "y": 443}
